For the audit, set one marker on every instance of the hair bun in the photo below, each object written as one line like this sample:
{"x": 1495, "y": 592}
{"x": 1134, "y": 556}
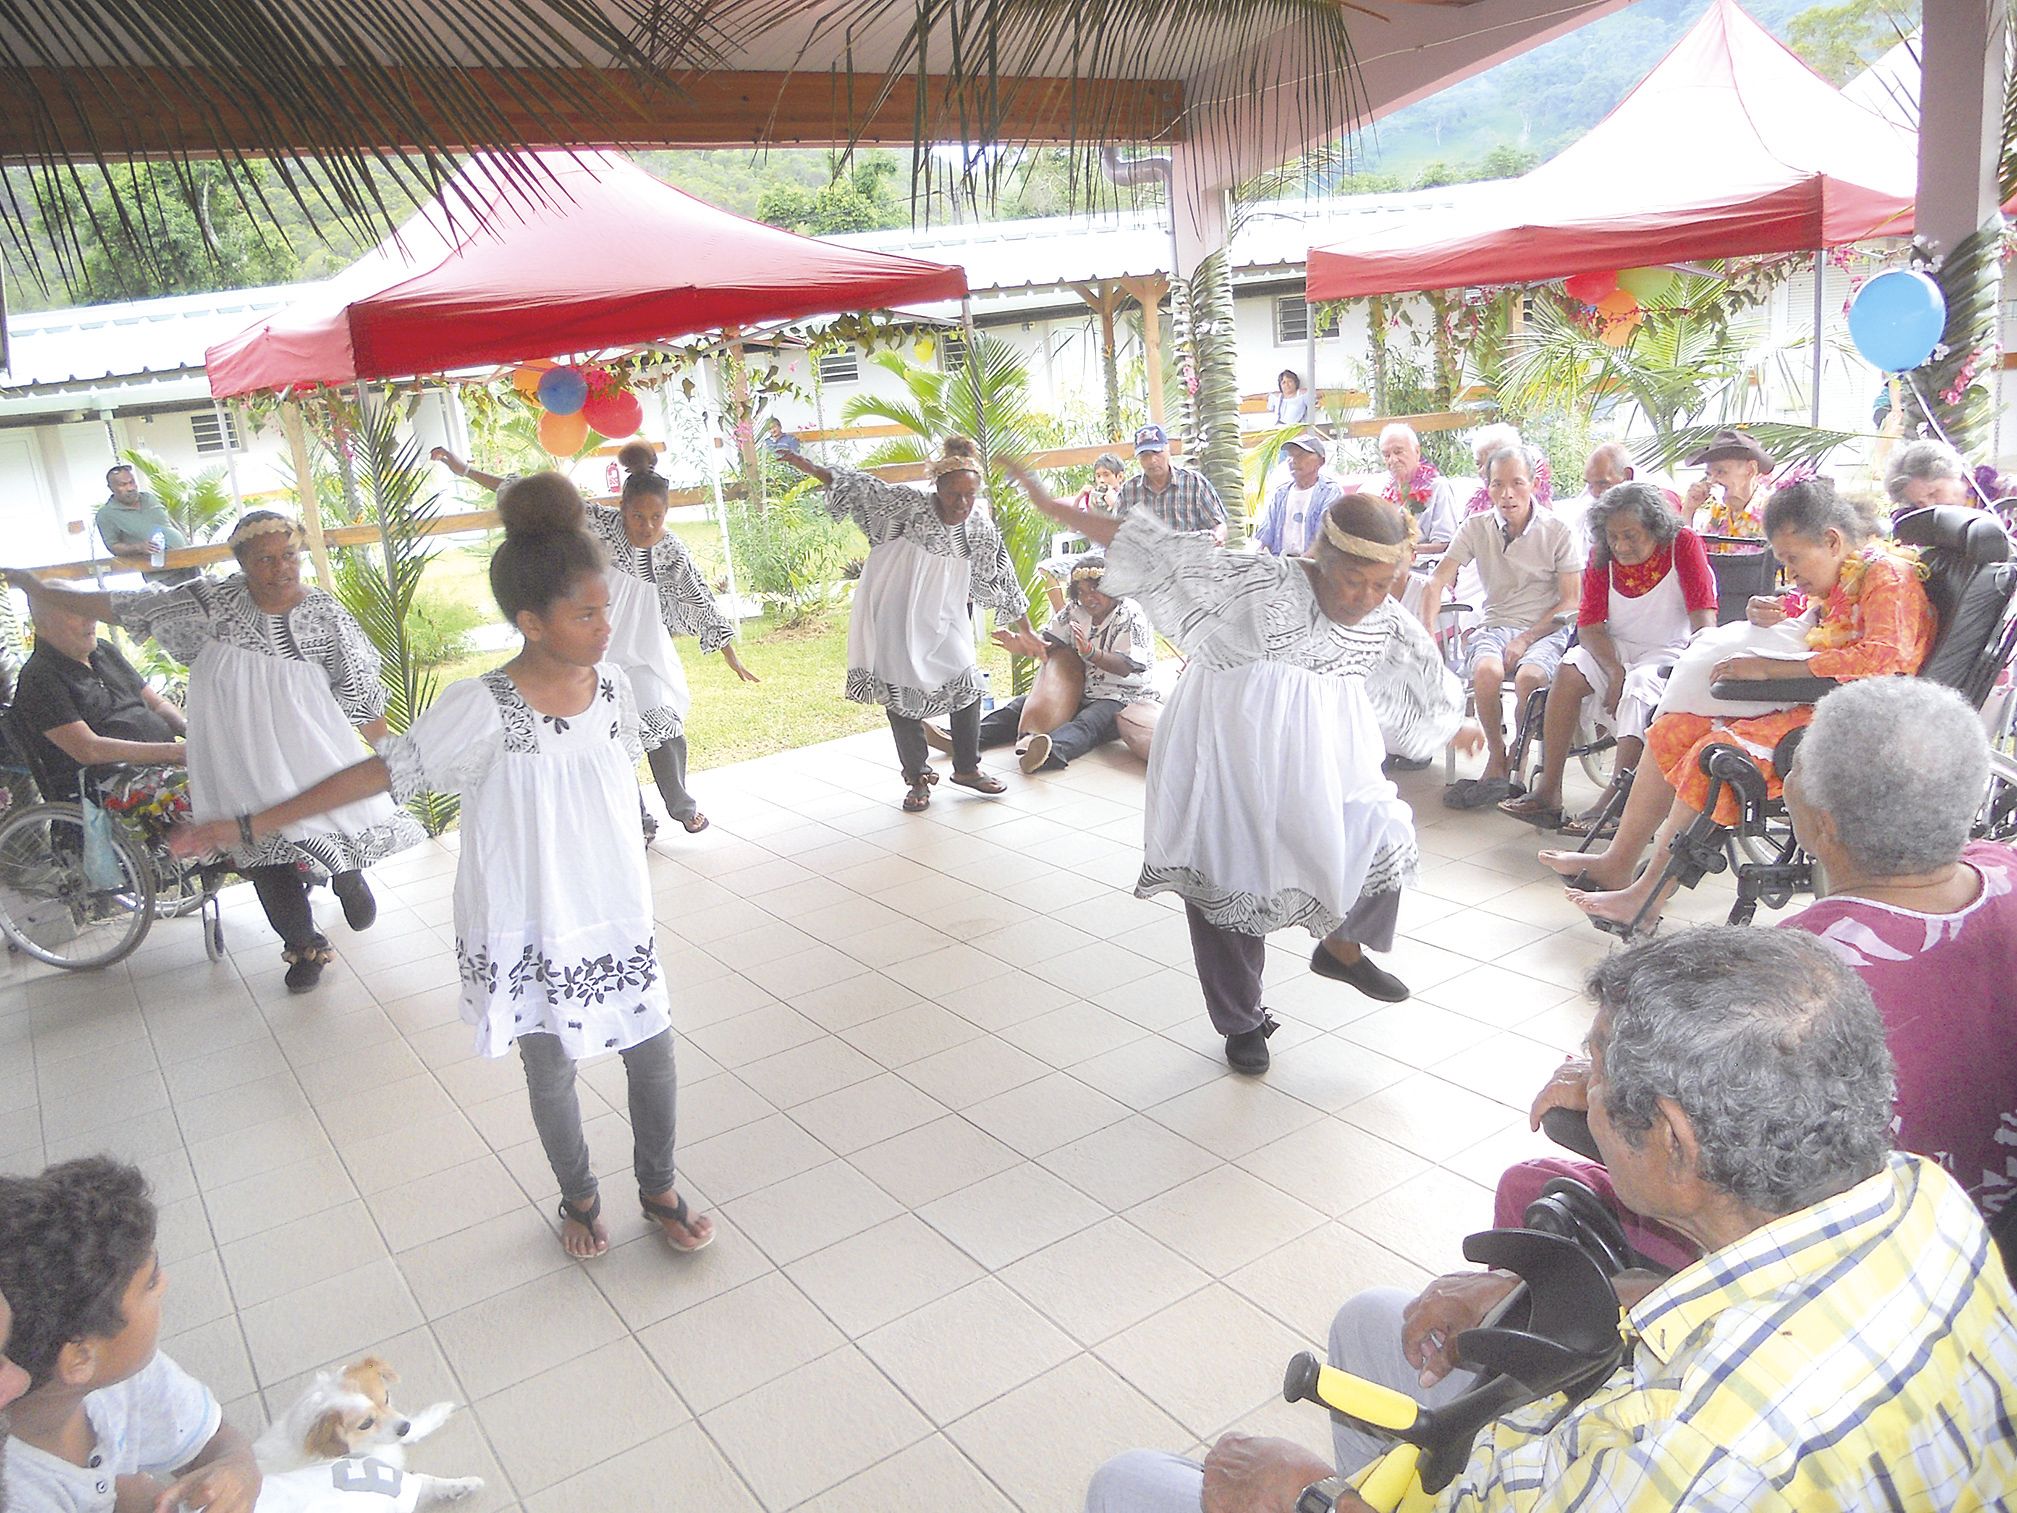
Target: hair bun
{"x": 540, "y": 503}
{"x": 637, "y": 457}
{"x": 960, "y": 446}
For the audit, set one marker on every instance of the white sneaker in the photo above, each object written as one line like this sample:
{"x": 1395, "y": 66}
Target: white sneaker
{"x": 1035, "y": 753}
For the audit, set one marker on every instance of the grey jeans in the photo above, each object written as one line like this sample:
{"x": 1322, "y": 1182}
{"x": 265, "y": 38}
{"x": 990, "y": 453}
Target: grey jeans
{"x": 1365, "y": 1340}
{"x": 668, "y": 772}
{"x": 1229, "y": 963}
{"x": 556, "y": 1111}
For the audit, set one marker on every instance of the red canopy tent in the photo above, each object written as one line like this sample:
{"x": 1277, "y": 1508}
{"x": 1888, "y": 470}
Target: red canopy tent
{"x": 1730, "y": 147}
{"x": 602, "y": 255}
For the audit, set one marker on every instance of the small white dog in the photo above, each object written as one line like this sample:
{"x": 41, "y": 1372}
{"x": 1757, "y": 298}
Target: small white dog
{"x": 342, "y": 1449}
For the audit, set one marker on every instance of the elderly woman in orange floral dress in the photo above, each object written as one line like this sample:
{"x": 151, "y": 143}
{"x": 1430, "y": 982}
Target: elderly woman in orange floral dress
{"x": 1865, "y": 615}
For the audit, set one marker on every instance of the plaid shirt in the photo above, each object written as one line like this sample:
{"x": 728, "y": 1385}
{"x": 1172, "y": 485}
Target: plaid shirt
{"x": 1189, "y": 504}
{"x": 1859, "y": 1354}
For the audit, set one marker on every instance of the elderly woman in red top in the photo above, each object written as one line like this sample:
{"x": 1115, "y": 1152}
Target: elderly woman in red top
{"x": 1865, "y": 615}
{"x": 1647, "y": 589}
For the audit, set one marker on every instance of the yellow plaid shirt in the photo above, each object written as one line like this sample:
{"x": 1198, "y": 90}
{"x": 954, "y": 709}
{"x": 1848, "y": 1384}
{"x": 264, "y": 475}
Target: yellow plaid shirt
{"x": 1860, "y": 1354}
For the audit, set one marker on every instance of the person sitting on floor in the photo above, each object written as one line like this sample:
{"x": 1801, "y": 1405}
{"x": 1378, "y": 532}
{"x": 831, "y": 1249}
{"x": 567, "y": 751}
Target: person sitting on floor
{"x": 1527, "y": 559}
{"x": 1882, "y": 795}
{"x": 80, "y": 703}
{"x": 108, "y": 1419}
{"x": 1111, "y": 641}
{"x": 1865, "y": 615}
{"x": 1845, "y": 1342}
{"x": 1294, "y": 515}
{"x": 1647, "y": 589}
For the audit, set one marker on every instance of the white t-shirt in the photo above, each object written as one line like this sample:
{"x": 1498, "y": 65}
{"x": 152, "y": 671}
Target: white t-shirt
{"x": 157, "y": 1421}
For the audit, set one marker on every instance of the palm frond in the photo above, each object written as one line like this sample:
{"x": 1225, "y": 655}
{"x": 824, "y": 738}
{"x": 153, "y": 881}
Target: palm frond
{"x": 1788, "y": 443}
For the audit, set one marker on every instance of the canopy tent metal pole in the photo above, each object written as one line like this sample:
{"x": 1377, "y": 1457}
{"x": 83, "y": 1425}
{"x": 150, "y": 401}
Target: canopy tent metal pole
{"x": 1820, "y": 281}
{"x": 230, "y": 453}
{"x": 711, "y": 444}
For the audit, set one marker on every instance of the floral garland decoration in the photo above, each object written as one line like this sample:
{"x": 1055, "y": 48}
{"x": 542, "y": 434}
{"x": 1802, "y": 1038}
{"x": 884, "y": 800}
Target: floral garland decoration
{"x": 1421, "y": 488}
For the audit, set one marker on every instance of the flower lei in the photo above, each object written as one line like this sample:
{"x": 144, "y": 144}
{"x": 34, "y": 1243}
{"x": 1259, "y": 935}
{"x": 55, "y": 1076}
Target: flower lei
{"x": 1421, "y": 488}
{"x": 1841, "y": 618}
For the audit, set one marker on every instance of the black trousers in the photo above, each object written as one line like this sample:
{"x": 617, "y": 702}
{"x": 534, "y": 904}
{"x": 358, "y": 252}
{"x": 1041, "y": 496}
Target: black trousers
{"x": 915, "y": 756}
{"x": 283, "y": 895}
{"x": 668, "y": 771}
{"x": 1229, "y": 963}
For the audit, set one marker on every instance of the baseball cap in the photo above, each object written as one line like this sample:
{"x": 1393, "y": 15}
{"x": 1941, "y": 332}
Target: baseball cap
{"x": 1151, "y": 439}
{"x": 1310, "y": 442}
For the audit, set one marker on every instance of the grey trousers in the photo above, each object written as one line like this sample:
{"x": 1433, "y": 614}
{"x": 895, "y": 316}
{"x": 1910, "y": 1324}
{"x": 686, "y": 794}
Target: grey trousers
{"x": 668, "y": 772}
{"x": 556, "y": 1111}
{"x": 1365, "y": 1340}
{"x": 915, "y": 756}
{"x": 1229, "y": 963}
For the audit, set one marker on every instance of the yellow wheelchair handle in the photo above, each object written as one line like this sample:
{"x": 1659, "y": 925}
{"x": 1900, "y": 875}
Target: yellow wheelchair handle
{"x": 1368, "y": 1403}
{"x": 1393, "y": 1483}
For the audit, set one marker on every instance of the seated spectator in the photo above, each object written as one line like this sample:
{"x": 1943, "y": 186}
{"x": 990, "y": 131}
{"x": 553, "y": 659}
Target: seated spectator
{"x": 1294, "y": 515}
{"x": 1289, "y": 405}
{"x": 1110, "y": 638}
{"x": 79, "y": 703}
{"x": 107, "y": 1418}
{"x": 1104, "y": 492}
{"x": 1923, "y": 473}
{"x": 1729, "y": 498}
{"x": 1647, "y": 589}
{"x": 1845, "y": 1342}
{"x": 1419, "y": 488}
{"x": 1609, "y": 465}
{"x": 1527, "y": 559}
{"x": 1863, "y": 614}
{"x": 1181, "y": 498}
{"x": 1488, "y": 439}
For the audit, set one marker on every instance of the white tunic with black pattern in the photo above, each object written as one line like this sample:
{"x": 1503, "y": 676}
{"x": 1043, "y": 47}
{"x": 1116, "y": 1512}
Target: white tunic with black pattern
{"x": 656, "y": 593}
{"x": 909, "y": 642}
{"x": 553, "y": 928}
{"x": 274, "y": 706}
{"x": 1265, "y": 806}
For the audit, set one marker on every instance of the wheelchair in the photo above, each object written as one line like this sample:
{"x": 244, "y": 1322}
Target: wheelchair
{"x": 80, "y": 890}
{"x": 1972, "y": 585}
{"x": 1558, "y": 1334}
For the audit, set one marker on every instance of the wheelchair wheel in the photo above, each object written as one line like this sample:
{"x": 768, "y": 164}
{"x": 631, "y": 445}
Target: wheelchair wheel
{"x": 1599, "y": 763}
{"x": 51, "y": 909}
{"x": 178, "y": 887}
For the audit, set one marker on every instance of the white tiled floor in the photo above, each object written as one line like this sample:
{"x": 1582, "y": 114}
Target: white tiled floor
{"x": 991, "y": 1207}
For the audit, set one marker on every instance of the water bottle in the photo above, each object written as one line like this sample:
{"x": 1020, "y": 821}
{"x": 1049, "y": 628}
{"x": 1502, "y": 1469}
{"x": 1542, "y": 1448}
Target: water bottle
{"x": 986, "y": 691}
{"x": 157, "y": 548}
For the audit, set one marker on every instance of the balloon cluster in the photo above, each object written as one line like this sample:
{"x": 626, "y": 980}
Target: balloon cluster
{"x": 573, "y": 400}
{"x": 1896, "y": 320}
{"x": 1617, "y": 301}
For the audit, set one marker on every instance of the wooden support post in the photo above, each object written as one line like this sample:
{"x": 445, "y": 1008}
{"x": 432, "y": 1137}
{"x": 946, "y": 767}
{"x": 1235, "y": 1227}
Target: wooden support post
{"x": 1105, "y": 301}
{"x": 304, "y": 474}
{"x": 1148, "y": 293}
{"x": 742, "y": 416}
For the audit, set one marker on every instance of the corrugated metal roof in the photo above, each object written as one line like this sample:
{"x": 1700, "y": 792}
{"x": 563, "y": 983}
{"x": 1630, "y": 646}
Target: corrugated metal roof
{"x": 73, "y": 351}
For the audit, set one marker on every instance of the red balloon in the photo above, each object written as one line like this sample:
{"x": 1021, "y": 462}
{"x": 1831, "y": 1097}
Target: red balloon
{"x": 1590, "y": 288}
{"x": 614, "y": 415}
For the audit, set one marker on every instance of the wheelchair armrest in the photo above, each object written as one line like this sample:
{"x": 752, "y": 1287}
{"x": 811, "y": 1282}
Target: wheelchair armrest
{"x": 1773, "y": 690}
{"x": 1570, "y": 1129}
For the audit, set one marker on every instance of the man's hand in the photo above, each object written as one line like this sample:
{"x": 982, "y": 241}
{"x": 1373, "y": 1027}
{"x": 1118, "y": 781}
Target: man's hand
{"x": 228, "y": 1484}
{"x": 207, "y": 839}
{"x": 1697, "y": 496}
{"x": 1511, "y": 653}
{"x": 1569, "y": 1088}
{"x": 449, "y": 460}
{"x": 1447, "y": 1307}
{"x": 1757, "y": 669}
{"x": 1764, "y": 609}
{"x": 1247, "y": 1474}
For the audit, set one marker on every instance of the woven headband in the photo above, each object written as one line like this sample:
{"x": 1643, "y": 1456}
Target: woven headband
{"x": 247, "y": 530}
{"x": 940, "y": 466}
{"x": 1359, "y": 546}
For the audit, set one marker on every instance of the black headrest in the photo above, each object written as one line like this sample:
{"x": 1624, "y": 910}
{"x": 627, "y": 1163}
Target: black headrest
{"x": 1971, "y": 533}
{"x": 1967, "y": 623}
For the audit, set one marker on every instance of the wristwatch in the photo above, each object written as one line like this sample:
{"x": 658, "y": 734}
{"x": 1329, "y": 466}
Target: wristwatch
{"x": 1322, "y": 1496}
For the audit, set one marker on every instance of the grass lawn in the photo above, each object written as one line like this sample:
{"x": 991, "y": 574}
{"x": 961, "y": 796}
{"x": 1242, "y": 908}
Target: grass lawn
{"x": 803, "y": 668}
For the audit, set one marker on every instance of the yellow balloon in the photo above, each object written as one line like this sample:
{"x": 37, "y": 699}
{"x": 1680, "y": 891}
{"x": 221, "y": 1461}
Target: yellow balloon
{"x": 562, "y": 435}
{"x": 923, "y": 349}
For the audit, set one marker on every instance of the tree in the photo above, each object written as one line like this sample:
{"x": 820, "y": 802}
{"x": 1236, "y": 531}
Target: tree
{"x": 1840, "y": 41}
{"x": 199, "y": 234}
{"x": 860, "y": 200}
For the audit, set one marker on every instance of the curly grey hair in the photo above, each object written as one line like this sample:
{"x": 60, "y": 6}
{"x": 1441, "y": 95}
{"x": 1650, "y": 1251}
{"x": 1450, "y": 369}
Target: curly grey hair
{"x": 1812, "y": 508}
{"x": 1769, "y": 1044}
{"x": 1924, "y": 460}
{"x": 1899, "y": 765}
{"x": 1660, "y": 519}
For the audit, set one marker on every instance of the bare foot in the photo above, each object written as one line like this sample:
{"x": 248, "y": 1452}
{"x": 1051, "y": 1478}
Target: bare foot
{"x": 582, "y": 1233}
{"x": 1620, "y": 907}
{"x": 1598, "y": 868}
{"x": 683, "y": 1230}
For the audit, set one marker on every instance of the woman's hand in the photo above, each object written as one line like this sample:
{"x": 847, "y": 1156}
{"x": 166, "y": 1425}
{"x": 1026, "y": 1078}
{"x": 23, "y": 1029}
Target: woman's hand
{"x": 1569, "y": 1088}
{"x": 735, "y": 664}
{"x": 1764, "y": 609}
{"x": 208, "y": 838}
{"x": 1757, "y": 669}
{"x": 1469, "y": 739}
{"x": 1082, "y": 639}
{"x": 449, "y": 460}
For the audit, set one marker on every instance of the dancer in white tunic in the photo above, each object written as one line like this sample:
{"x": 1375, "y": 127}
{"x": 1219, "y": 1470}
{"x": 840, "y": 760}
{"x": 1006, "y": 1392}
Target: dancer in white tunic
{"x": 282, "y": 682}
{"x": 1266, "y": 808}
{"x": 909, "y": 643}
{"x": 553, "y": 924}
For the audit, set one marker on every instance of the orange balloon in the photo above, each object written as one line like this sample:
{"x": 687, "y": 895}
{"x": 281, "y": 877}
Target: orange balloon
{"x": 1618, "y": 316}
{"x": 562, "y": 435}
{"x": 526, "y": 379}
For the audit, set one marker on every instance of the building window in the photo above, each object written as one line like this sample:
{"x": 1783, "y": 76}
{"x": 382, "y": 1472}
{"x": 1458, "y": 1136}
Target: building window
{"x": 952, "y": 353}
{"x": 1292, "y": 321}
{"x": 840, "y": 367}
{"x": 210, "y": 440}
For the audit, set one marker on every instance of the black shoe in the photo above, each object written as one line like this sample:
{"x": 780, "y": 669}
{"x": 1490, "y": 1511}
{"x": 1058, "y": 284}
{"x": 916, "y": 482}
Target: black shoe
{"x": 650, "y": 829}
{"x": 1247, "y": 1052}
{"x": 305, "y": 964}
{"x": 1361, "y": 974}
{"x": 360, "y": 909}
{"x": 1394, "y": 764}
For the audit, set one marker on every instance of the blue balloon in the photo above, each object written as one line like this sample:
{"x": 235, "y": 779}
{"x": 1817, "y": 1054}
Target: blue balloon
{"x": 562, "y": 391}
{"x": 1896, "y": 320}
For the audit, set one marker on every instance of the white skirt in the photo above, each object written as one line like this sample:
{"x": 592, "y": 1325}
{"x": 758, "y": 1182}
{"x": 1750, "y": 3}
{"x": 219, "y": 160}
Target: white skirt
{"x": 909, "y": 642}
{"x": 262, "y": 729}
{"x": 1265, "y": 804}
{"x": 640, "y": 644}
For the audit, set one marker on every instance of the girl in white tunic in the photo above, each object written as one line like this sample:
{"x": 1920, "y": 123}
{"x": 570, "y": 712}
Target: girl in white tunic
{"x": 1266, "y": 807}
{"x": 553, "y": 925}
{"x": 909, "y": 643}
{"x": 656, "y": 593}
{"x": 282, "y": 682}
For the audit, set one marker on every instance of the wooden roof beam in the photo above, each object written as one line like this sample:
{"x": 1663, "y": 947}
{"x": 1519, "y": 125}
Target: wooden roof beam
{"x": 163, "y": 112}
